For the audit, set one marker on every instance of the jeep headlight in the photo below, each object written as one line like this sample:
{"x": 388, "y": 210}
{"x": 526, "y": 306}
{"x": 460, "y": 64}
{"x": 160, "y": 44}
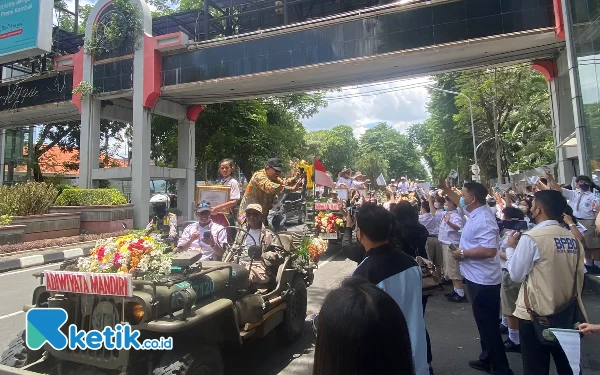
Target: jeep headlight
{"x": 134, "y": 313}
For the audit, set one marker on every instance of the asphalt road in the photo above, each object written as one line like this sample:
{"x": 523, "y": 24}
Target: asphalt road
{"x": 451, "y": 326}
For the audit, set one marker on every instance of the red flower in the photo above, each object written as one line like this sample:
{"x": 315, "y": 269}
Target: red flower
{"x": 101, "y": 253}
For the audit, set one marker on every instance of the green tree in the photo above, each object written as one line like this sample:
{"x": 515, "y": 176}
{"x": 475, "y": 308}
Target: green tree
{"x": 401, "y": 154}
{"x": 372, "y": 165}
{"x": 336, "y": 148}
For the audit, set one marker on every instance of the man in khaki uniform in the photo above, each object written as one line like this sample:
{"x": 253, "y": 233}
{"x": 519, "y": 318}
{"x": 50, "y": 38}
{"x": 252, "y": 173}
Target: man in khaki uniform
{"x": 546, "y": 259}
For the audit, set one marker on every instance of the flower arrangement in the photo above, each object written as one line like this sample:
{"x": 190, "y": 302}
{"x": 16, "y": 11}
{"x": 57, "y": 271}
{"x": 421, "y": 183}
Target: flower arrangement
{"x": 127, "y": 253}
{"x": 316, "y": 248}
{"x": 328, "y": 223}
{"x": 310, "y": 249}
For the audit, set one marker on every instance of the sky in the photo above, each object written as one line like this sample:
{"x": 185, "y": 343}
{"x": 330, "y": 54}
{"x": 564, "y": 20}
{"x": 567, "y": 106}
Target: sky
{"x": 400, "y": 103}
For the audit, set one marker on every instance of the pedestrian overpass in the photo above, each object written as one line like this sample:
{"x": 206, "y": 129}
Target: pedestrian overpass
{"x": 187, "y": 60}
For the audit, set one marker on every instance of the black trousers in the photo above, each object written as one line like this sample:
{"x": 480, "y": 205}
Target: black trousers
{"x": 485, "y": 300}
{"x": 536, "y": 357}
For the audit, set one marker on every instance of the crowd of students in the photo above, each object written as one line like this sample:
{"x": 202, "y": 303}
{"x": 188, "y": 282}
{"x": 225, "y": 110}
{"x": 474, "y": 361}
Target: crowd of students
{"x": 519, "y": 254}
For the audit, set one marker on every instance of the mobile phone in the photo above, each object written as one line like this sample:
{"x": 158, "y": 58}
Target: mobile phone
{"x": 206, "y": 235}
{"x": 452, "y": 247}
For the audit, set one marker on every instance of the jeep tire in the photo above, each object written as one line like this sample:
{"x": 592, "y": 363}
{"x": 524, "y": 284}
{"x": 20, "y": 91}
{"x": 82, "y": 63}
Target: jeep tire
{"x": 18, "y": 355}
{"x": 204, "y": 360}
{"x": 294, "y": 315}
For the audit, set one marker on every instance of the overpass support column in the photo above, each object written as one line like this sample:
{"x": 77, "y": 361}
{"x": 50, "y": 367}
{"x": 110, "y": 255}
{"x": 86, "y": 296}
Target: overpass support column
{"x": 89, "y": 150}
{"x": 140, "y": 166}
{"x": 2, "y": 152}
{"x": 186, "y": 159}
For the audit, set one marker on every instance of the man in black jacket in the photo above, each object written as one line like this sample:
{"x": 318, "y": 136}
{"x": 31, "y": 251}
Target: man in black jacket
{"x": 391, "y": 270}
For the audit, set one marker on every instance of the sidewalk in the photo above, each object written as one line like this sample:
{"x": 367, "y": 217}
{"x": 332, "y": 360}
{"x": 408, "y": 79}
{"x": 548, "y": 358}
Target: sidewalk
{"x": 44, "y": 256}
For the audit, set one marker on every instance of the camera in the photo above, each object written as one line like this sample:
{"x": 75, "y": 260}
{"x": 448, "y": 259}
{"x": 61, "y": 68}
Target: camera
{"x": 350, "y": 208}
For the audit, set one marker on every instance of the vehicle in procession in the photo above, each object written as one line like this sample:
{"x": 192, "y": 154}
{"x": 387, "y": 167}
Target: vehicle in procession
{"x": 144, "y": 281}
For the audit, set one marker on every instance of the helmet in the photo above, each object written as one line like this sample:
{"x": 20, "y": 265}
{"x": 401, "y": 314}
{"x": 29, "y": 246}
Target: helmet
{"x": 160, "y": 203}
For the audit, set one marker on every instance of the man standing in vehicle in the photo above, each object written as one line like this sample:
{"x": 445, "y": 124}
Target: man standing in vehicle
{"x": 265, "y": 184}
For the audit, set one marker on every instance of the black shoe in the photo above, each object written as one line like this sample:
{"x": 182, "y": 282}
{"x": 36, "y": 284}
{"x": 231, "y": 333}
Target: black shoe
{"x": 481, "y": 366}
{"x": 452, "y": 294}
{"x": 511, "y": 347}
{"x": 503, "y": 329}
{"x": 457, "y": 298}
{"x": 447, "y": 282}
{"x": 440, "y": 286}
{"x": 430, "y": 371}
{"x": 592, "y": 270}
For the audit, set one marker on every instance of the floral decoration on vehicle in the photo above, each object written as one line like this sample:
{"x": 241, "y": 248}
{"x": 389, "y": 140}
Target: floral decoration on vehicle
{"x": 328, "y": 223}
{"x": 127, "y": 254}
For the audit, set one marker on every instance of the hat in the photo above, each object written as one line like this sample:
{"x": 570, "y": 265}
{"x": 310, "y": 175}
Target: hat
{"x": 275, "y": 163}
{"x": 203, "y": 207}
{"x": 403, "y": 178}
{"x": 357, "y": 174}
{"x": 345, "y": 170}
{"x": 393, "y": 180}
{"x": 254, "y": 207}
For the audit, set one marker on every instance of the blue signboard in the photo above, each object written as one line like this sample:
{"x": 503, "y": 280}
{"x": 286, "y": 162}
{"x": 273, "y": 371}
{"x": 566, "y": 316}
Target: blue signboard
{"x": 25, "y": 28}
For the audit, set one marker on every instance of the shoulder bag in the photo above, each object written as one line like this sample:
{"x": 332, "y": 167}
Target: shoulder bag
{"x": 567, "y": 316}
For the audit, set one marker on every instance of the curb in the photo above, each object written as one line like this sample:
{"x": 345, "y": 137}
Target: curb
{"x": 40, "y": 259}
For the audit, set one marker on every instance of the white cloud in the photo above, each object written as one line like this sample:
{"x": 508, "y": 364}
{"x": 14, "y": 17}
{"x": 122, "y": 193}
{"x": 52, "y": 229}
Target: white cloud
{"x": 399, "y": 103}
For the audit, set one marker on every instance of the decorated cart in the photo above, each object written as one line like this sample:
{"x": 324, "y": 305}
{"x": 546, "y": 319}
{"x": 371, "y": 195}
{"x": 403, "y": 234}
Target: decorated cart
{"x": 329, "y": 221}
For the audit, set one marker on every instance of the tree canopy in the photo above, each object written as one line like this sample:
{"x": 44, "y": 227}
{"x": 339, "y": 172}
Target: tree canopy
{"x": 513, "y": 99}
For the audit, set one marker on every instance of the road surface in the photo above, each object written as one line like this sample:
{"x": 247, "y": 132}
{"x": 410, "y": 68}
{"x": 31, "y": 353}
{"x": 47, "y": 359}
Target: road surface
{"x": 451, "y": 326}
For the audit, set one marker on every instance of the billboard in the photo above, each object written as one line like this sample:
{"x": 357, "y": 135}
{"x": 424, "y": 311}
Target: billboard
{"x": 25, "y": 28}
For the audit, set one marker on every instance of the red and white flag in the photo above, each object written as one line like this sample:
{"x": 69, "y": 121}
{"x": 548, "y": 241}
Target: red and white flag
{"x": 321, "y": 176}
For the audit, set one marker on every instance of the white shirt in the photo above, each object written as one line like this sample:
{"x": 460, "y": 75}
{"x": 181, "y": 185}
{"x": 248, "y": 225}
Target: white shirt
{"x": 481, "y": 230}
{"x": 344, "y": 180}
{"x": 446, "y": 234}
{"x": 503, "y": 246}
{"x": 581, "y": 202}
{"x": 234, "y": 193}
{"x": 218, "y": 235}
{"x": 520, "y": 263}
{"x": 403, "y": 187}
{"x": 358, "y": 184}
{"x": 253, "y": 238}
{"x": 432, "y": 223}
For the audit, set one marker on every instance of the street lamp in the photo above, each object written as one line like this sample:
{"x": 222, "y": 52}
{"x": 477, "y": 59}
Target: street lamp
{"x": 472, "y": 123}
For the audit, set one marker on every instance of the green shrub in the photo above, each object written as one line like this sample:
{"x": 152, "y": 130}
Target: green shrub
{"x": 61, "y": 187}
{"x": 5, "y": 220}
{"x": 90, "y": 197}
{"x": 30, "y": 198}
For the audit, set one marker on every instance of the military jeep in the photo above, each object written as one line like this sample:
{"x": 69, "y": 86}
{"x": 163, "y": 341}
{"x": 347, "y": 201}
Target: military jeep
{"x": 202, "y": 305}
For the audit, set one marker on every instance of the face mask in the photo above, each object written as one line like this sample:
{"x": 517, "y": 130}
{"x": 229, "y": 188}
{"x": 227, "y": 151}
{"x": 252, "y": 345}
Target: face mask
{"x": 523, "y": 208}
{"x": 584, "y": 187}
{"x": 462, "y": 203}
{"x": 437, "y": 206}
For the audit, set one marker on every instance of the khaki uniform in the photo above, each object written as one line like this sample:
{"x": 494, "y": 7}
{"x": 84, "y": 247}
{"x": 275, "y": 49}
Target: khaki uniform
{"x": 550, "y": 282}
{"x": 451, "y": 265}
